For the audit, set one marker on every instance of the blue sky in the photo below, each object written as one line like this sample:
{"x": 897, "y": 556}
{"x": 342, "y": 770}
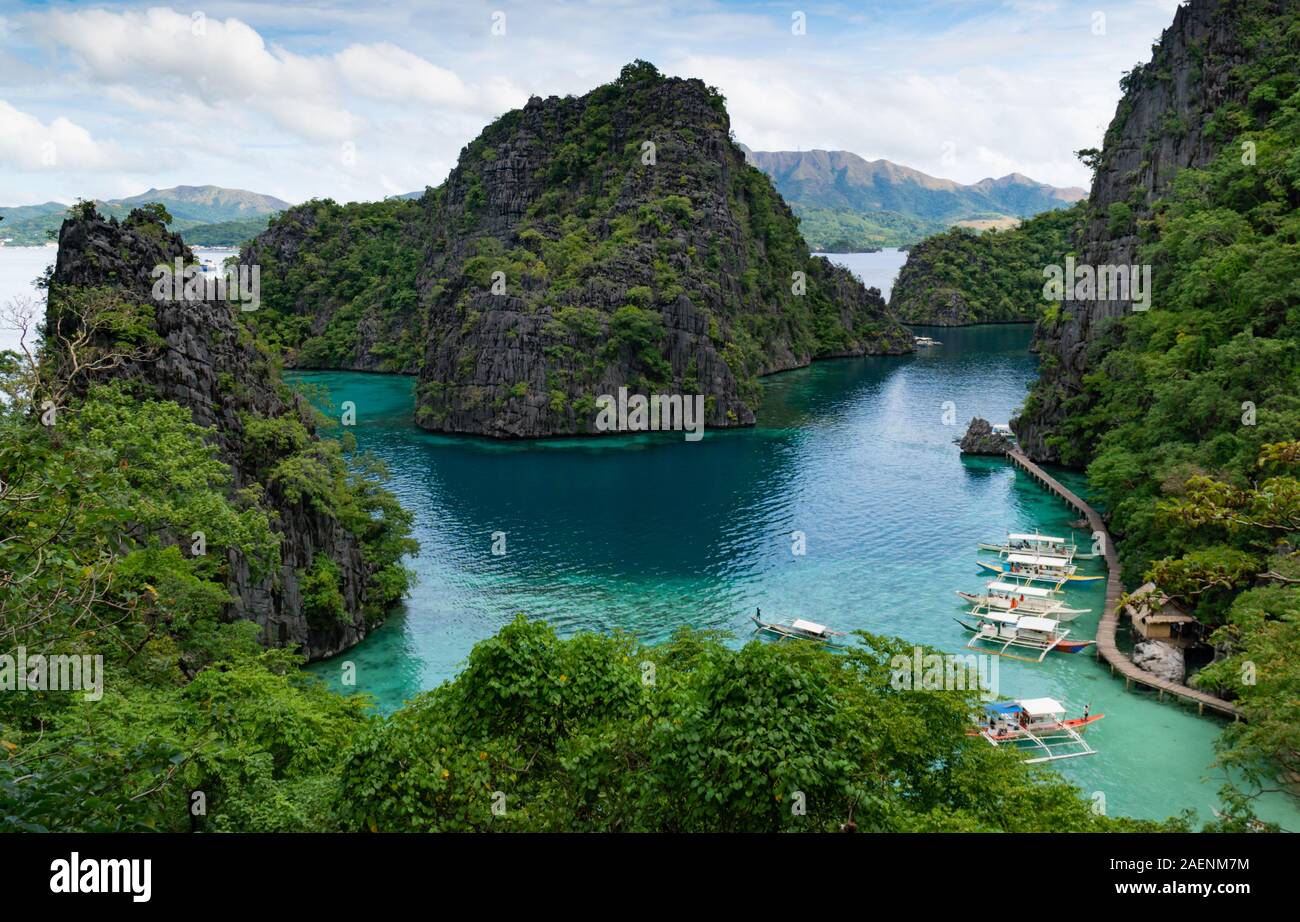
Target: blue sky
{"x": 356, "y": 100}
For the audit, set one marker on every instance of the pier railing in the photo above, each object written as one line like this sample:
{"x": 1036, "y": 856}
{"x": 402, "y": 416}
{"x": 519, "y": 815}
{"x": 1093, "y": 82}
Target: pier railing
{"x": 1106, "y": 648}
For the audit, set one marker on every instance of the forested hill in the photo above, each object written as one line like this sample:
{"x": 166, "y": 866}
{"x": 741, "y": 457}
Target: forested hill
{"x": 846, "y": 203}
{"x": 207, "y": 215}
{"x": 580, "y": 245}
{"x": 327, "y": 569}
{"x": 962, "y": 277}
{"x": 1187, "y": 414}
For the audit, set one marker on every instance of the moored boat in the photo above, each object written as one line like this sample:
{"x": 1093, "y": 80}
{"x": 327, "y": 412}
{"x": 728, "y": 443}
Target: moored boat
{"x": 1030, "y": 632}
{"x": 1000, "y": 596}
{"x": 1039, "y": 727}
{"x": 798, "y": 629}
{"x": 1037, "y": 568}
{"x": 1035, "y": 543}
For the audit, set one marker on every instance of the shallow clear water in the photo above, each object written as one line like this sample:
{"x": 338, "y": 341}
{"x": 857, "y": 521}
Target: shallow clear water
{"x": 649, "y": 533}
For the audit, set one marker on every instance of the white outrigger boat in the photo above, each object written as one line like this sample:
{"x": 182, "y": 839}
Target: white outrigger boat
{"x": 1049, "y": 545}
{"x": 798, "y": 629}
{"x": 1039, "y": 727}
{"x": 1037, "y": 568}
{"x": 1031, "y": 632}
{"x": 1029, "y": 600}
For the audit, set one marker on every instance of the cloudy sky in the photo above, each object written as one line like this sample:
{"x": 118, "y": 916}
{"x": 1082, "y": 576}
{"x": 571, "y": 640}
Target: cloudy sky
{"x": 356, "y": 100}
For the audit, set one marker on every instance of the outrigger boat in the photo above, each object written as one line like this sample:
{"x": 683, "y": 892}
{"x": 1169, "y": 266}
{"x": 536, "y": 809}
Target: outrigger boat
{"x": 1030, "y": 600}
{"x": 1037, "y": 568}
{"x": 1038, "y": 726}
{"x": 1022, "y": 543}
{"x": 798, "y": 629}
{"x": 1032, "y": 632}
{"x": 925, "y": 341}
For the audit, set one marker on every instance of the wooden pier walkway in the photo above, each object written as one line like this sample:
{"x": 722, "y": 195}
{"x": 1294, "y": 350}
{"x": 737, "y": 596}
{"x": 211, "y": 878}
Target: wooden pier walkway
{"x": 1106, "y": 647}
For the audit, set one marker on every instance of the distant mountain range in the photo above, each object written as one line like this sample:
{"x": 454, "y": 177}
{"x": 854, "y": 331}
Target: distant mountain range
{"x": 844, "y": 204}
{"x": 208, "y": 215}
{"x": 847, "y": 203}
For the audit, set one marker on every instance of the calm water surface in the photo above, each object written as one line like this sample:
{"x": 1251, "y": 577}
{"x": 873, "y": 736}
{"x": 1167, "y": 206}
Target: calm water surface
{"x": 651, "y": 533}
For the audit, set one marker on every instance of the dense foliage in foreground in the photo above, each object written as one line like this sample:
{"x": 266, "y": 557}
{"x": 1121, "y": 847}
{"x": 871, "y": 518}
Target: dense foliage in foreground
{"x": 597, "y": 733}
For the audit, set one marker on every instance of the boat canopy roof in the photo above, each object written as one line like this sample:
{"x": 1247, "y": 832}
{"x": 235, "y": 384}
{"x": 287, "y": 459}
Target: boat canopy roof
{"x": 1001, "y": 617}
{"x": 1039, "y": 559}
{"x": 1032, "y": 592}
{"x": 1037, "y": 624}
{"x": 1044, "y": 538}
{"x": 1003, "y": 707}
{"x": 1041, "y": 707}
{"x": 812, "y": 627}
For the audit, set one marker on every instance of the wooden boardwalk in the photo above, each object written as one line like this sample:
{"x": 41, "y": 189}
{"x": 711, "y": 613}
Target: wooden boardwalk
{"x": 1106, "y": 647}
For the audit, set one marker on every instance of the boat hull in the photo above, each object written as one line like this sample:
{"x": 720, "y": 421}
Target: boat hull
{"x": 1004, "y": 569}
{"x": 1009, "y": 640}
{"x": 1074, "y": 723}
{"x": 1005, "y": 549}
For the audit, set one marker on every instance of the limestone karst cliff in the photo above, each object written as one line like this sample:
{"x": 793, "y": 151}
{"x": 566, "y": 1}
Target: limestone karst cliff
{"x": 335, "y": 528}
{"x": 1176, "y": 112}
{"x": 581, "y": 244}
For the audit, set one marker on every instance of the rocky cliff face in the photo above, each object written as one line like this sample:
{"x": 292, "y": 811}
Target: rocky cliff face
{"x": 619, "y": 239}
{"x": 208, "y": 362}
{"x": 1164, "y": 123}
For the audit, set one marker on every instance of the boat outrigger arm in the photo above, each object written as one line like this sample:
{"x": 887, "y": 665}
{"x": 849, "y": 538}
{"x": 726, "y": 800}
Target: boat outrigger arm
{"x": 798, "y": 629}
{"x": 1044, "y": 729}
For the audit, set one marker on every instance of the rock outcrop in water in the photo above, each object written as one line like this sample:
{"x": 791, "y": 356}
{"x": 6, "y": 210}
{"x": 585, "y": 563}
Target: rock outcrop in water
{"x": 980, "y": 439}
{"x": 617, "y": 239}
{"x": 1164, "y": 123}
{"x": 208, "y": 362}
{"x": 339, "y": 285}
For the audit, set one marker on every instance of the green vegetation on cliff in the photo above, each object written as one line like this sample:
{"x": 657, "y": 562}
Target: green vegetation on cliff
{"x": 961, "y": 277}
{"x": 339, "y": 285}
{"x": 830, "y": 231}
{"x": 629, "y": 203}
{"x": 137, "y": 537}
{"x": 1189, "y": 413}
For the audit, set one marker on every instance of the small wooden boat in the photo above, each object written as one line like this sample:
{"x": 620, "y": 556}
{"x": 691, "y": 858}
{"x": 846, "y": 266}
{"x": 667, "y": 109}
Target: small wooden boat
{"x": 1032, "y": 600}
{"x": 1049, "y": 545}
{"x": 925, "y": 341}
{"x": 1037, "y": 568}
{"x": 1030, "y": 632}
{"x": 1039, "y": 727}
{"x": 798, "y": 629}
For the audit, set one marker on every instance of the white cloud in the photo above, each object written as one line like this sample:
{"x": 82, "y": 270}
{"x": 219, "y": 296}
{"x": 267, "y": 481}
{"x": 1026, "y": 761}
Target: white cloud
{"x": 28, "y": 144}
{"x": 224, "y": 64}
{"x": 384, "y": 71}
{"x": 266, "y": 100}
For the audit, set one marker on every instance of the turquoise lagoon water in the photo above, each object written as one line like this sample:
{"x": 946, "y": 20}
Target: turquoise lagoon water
{"x": 649, "y": 533}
